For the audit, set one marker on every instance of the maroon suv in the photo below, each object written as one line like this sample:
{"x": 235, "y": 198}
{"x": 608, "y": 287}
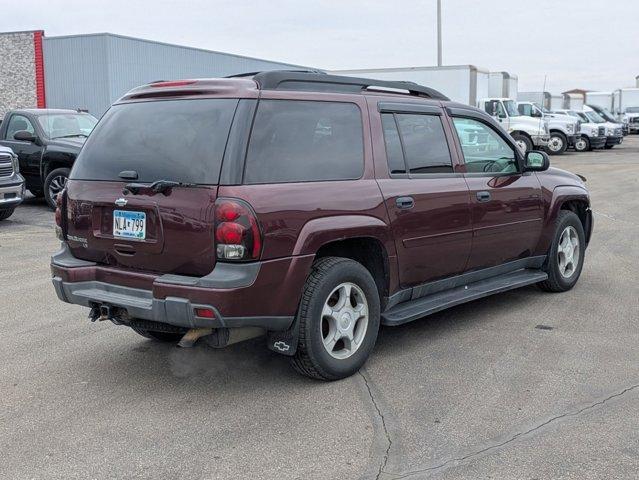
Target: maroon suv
{"x": 309, "y": 208}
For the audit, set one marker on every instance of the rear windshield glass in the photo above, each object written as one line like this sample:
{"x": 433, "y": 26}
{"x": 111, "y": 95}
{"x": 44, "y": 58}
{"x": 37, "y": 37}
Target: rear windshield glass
{"x": 178, "y": 140}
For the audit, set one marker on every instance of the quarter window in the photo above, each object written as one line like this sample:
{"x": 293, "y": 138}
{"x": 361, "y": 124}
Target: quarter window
{"x": 484, "y": 149}
{"x": 18, "y": 123}
{"x": 301, "y": 141}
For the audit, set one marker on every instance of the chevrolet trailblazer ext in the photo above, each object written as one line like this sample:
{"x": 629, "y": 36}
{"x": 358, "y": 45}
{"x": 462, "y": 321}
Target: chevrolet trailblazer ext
{"x": 307, "y": 207}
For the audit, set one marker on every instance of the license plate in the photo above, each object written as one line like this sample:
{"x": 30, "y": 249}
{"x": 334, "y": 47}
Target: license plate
{"x": 127, "y": 224}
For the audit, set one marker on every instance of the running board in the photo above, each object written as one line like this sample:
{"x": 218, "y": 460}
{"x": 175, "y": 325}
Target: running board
{"x": 414, "y": 309}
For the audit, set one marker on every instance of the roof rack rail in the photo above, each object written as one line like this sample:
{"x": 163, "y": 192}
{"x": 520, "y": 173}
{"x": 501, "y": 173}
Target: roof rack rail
{"x": 313, "y": 81}
{"x": 252, "y": 74}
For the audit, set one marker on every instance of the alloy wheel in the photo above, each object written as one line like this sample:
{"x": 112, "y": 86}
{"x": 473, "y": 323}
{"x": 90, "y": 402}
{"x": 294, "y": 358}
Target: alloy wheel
{"x": 568, "y": 252}
{"x": 344, "y": 320}
{"x": 56, "y": 186}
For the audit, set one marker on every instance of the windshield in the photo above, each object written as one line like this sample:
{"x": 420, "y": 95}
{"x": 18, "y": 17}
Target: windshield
{"x": 607, "y": 115}
{"x": 59, "y": 125}
{"x": 511, "y": 108}
{"x": 594, "y": 117}
{"x": 632, "y": 110}
{"x": 177, "y": 140}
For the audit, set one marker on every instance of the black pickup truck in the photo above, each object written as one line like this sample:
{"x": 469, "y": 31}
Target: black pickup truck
{"x": 47, "y": 142}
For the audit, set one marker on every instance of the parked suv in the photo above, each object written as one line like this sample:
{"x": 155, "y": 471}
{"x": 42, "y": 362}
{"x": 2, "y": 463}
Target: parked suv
{"x": 308, "y": 207}
{"x": 46, "y": 141}
{"x": 11, "y": 183}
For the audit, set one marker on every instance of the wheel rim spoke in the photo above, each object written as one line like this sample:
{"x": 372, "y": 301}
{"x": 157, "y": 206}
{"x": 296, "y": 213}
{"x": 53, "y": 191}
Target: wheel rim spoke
{"x": 568, "y": 251}
{"x": 344, "y": 320}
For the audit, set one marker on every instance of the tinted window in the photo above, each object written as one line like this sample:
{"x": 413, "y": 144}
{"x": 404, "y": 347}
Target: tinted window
{"x": 18, "y": 123}
{"x": 424, "y": 142}
{"x": 484, "y": 149}
{"x": 179, "y": 140}
{"x": 394, "y": 154}
{"x": 298, "y": 141}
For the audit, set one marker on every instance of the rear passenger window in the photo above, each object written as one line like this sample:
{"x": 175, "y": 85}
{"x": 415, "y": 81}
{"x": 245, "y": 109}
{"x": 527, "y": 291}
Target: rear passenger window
{"x": 424, "y": 142}
{"x": 301, "y": 141}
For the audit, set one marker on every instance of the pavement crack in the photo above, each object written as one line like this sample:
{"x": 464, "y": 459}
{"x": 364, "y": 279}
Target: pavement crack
{"x": 472, "y": 455}
{"x": 382, "y": 420}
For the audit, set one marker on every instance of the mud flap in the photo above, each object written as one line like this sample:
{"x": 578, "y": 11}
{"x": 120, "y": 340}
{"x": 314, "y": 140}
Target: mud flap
{"x": 284, "y": 342}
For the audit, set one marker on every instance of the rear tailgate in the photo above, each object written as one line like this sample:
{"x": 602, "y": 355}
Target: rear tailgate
{"x": 178, "y": 233}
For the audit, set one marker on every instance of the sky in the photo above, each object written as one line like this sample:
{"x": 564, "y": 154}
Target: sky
{"x": 591, "y": 44}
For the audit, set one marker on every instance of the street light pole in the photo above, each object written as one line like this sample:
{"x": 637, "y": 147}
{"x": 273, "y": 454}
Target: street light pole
{"x": 439, "y": 33}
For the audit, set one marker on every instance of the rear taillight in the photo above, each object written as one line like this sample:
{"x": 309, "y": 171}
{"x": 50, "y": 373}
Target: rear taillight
{"x": 237, "y": 234}
{"x": 59, "y": 214}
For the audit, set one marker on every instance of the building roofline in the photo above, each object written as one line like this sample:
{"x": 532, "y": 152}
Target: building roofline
{"x": 155, "y": 42}
{"x": 22, "y": 31}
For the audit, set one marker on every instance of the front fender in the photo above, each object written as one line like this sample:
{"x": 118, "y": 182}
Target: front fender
{"x": 52, "y": 159}
{"x": 553, "y": 200}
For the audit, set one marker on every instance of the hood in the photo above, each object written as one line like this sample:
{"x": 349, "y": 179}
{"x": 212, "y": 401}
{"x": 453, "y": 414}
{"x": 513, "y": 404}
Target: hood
{"x": 567, "y": 178}
{"x": 70, "y": 143}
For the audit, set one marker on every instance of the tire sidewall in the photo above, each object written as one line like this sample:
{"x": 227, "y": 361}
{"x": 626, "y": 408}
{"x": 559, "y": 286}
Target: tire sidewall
{"x": 349, "y": 271}
{"x": 53, "y": 173}
{"x": 568, "y": 219}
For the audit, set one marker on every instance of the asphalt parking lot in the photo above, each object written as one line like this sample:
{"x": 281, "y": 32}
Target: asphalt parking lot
{"x": 524, "y": 385}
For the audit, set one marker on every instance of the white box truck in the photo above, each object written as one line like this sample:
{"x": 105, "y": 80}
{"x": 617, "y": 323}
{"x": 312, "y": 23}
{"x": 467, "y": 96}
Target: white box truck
{"x": 503, "y": 85}
{"x": 625, "y": 107}
{"x": 461, "y": 83}
{"x": 599, "y": 99}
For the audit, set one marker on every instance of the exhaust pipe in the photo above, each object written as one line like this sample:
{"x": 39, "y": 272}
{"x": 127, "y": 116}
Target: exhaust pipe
{"x": 220, "y": 337}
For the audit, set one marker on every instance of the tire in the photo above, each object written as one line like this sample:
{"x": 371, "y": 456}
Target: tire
{"x": 54, "y": 184}
{"x": 6, "y": 213}
{"x": 523, "y": 141}
{"x": 567, "y": 223}
{"x": 328, "y": 281}
{"x": 583, "y": 144}
{"x": 165, "y": 337}
{"x": 558, "y": 144}
{"x": 37, "y": 193}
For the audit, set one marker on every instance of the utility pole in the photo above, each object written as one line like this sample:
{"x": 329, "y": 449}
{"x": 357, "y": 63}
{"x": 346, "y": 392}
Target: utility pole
{"x": 439, "y": 33}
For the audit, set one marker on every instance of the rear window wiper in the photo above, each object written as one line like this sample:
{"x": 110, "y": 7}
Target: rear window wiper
{"x": 159, "y": 186}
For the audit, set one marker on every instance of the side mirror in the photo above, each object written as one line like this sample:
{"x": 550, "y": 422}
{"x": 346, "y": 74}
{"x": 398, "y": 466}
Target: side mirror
{"x": 24, "y": 136}
{"x": 536, "y": 161}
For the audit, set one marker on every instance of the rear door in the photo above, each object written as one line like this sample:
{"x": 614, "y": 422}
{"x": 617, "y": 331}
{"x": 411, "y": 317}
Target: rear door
{"x": 506, "y": 204}
{"x": 426, "y": 198}
{"x": 114, "y": 218}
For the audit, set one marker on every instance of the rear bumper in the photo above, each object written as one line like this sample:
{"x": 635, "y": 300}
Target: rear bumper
{"x": 12, "y": 193}
{"x": 263, "y": 294}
